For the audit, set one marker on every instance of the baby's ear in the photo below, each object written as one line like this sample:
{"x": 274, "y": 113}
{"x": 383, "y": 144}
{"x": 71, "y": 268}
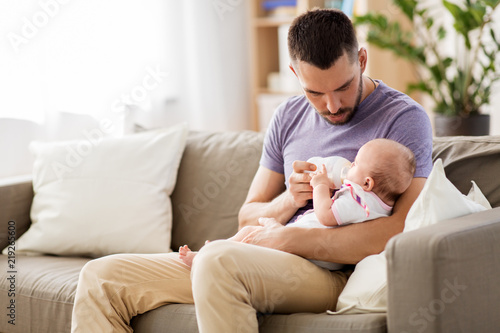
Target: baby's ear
{"x": 369, "y": 184}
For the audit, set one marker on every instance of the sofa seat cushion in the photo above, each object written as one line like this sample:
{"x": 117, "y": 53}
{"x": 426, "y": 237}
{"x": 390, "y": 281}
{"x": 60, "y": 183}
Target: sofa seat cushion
{"x": 181, "y": 318}
{"x": 44, "y": 288}
{"x": 323, "y": 323}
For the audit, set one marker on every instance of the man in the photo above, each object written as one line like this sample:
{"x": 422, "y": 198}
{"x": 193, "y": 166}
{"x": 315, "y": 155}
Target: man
{"x": 231, "y": 281}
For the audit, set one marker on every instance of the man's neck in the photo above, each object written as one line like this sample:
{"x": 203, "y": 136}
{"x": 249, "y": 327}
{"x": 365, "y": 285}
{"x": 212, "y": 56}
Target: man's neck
{"x": 369, "y": 86}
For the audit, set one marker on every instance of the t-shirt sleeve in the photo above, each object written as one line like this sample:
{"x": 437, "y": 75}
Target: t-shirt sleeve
{"x": 272, "y": 152}
{"x": 413, "y": 129}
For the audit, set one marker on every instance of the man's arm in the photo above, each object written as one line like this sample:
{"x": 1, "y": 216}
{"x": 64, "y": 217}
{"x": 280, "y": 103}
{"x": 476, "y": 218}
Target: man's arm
{"x": 348, "y": 244}
{"x": 268, "y": 197}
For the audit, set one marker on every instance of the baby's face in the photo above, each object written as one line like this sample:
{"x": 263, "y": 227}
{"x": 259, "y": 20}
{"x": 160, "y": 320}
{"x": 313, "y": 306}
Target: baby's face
{"x": 362, "y": 166}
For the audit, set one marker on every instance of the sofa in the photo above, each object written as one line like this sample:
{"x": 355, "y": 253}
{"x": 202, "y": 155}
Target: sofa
{"x": 441, "y": 278}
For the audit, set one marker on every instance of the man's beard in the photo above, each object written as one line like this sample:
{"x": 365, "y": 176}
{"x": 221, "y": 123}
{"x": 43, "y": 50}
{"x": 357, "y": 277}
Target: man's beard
{"x": 349, "y": 112}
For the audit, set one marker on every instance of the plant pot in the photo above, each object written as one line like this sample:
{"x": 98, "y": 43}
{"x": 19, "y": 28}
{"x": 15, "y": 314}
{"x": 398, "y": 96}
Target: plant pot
{"x": 475, "y": 125}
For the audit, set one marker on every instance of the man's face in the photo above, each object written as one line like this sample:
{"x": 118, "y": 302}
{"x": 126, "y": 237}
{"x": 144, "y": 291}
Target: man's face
{"x": 336, "y": 92}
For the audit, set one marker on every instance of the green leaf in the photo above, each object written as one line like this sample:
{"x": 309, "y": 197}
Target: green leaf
{"x": 465, "y": 20}
{"x": 447, "y": 62}
{"x": 429, "y": 22}
{"x": 477, "y": 14}
{"x": 493, "y": 36}
{"x": 441, "y": 33}
{"x": 436, "y": 73}
{"x": 419, "y": 86}
{"x": 453, "y": 9}
{"x": 492, "y": 3}
{"x": 407, "y": 7}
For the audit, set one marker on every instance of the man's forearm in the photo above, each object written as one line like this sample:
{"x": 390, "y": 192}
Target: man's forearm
{"x": 346, "y": 245}
{"x": 281, "y": 208}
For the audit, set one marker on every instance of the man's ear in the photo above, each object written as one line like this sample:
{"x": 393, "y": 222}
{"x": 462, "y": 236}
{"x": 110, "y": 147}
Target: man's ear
{"x": 362, "y": 58}
{"x": 369, "y": 183}
{"x": 293, "y": 70}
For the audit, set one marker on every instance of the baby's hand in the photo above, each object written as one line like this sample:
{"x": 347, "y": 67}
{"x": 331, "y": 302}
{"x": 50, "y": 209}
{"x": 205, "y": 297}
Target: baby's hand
{"x": 320, "y": 177}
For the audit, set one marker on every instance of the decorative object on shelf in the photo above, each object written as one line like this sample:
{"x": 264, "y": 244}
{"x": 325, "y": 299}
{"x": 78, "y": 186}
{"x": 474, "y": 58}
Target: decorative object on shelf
{"x": 344, "y": 5}
{"x": 459, "y": 83}
{"x": 280, "y": 8}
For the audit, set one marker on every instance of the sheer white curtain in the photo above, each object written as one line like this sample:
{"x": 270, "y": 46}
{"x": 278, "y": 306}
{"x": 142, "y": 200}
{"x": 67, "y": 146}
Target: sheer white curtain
{"x": 67, "y": 65}
{"x": 216, "y": 49}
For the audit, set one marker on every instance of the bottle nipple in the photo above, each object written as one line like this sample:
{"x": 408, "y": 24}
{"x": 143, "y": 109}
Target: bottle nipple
{"x": 343, "y": 172}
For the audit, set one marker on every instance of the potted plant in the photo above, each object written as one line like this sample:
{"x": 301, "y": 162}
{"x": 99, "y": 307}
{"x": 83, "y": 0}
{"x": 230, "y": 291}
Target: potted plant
{"x": 458, "y": 81}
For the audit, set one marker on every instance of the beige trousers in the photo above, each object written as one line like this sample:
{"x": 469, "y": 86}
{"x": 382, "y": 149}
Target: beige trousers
{"x": 230, "y": 281}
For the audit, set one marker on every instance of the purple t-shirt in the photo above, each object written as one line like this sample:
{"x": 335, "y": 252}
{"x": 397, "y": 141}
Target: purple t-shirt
{"x": 298, "y": 132}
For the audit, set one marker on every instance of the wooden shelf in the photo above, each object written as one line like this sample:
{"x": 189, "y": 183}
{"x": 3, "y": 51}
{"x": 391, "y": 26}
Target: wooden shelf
{"x": 265, "y": 52}
{"x": 265, "y": 90}
{"x": 271, "y": 21}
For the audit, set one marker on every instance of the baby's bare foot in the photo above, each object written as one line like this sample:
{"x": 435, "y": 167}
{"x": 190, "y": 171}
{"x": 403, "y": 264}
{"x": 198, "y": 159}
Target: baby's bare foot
{"x": 186, "y": 255}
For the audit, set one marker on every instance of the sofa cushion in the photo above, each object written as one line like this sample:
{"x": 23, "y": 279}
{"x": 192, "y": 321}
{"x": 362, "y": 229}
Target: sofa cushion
{"x": 323, "y": 323}
{"x": 440, "y": 200}
{"x": 213, "y": 180}
{"x": 471, "y": 158}
{"x": 182, "y": 318}
{"x": 168, "y": 318}
{"x": 115, "y": 192}
{"x": 44, "y": 288}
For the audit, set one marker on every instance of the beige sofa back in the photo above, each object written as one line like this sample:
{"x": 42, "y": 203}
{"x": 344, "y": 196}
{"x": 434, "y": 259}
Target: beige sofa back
{"x": 212, "y": 183}
{"x": 471, "y": 158}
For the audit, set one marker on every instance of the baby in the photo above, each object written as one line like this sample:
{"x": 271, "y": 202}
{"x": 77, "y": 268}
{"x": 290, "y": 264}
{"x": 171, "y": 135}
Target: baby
{"x": 382, "y": 170}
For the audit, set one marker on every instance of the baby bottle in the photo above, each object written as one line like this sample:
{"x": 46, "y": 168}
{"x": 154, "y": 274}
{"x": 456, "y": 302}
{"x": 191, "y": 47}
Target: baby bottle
{"x": 336, "y": 168}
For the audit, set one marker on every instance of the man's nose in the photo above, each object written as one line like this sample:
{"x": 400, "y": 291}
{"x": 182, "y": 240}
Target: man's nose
{"x": 332, "y": 102}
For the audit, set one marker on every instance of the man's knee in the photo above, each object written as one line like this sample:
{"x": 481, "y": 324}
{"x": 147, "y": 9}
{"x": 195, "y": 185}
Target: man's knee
{"x": 213, "y": 252}
{"x": 101, "y": 269}
{"x": 218, "y": 258}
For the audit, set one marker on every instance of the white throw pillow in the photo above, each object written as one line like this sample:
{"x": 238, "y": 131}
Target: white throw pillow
{"x": 102, "y": 196}
{"x": 366, "y": 289}
{"x": 441, "y": 200}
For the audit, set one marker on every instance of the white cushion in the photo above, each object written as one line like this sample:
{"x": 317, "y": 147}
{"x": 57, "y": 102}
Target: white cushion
{"x": 366, "y": 289}
{"x": 101, "y": 196}
{"x": 441, "y": 200}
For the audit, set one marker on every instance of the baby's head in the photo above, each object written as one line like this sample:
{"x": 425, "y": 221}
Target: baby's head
{"x": 385, "y": 167}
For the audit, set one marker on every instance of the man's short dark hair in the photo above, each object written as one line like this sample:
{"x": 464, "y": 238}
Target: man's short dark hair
{"x": 321, "y": 36}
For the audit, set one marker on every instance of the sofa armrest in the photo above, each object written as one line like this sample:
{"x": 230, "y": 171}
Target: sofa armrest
{"x": 16, "y": 196}
{"x": 445, "y": 277}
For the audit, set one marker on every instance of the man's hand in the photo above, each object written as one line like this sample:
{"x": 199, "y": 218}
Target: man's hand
{"x": 268, "y": 234}
{"x": 300, "y": 188}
